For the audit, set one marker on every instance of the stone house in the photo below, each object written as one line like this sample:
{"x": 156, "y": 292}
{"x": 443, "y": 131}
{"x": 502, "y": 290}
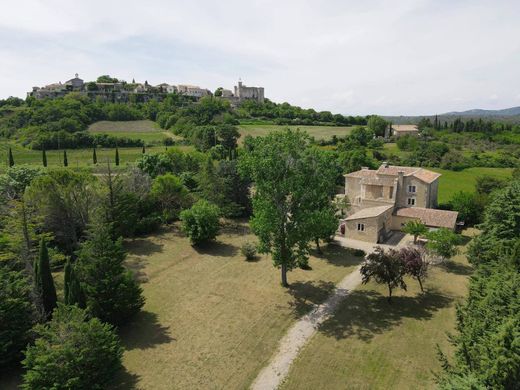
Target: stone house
{"x": 383, "y": 200}
{"x": 401, "y": 130}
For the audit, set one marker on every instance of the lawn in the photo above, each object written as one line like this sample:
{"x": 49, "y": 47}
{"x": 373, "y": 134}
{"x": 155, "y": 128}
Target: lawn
{"x": 319, "y": 132}
{"x": 452, "y": 182}
{"x": 212, "y": 319}
{"x": 146, "y": 130}
{"x": 369, "y": 344}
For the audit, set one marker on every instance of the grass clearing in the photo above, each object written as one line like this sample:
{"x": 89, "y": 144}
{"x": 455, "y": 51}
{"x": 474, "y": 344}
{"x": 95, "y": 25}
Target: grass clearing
{"x": 369, "y": 344}
{"x": 452, "y": 182}
{"x": 212, "y": 319}
{"x": 318, "y": 132}
{"x": 146, "y": 130}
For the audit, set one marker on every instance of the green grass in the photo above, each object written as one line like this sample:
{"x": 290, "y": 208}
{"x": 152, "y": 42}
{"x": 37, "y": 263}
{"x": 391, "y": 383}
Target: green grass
{"x": 319, "y": 132}
{"x": 452, "y": 182}
{"x": 146, "y": 130}
{"x": 369, "y": 344}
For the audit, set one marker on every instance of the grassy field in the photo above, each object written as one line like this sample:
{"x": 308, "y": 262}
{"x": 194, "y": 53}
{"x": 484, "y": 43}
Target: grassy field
{"x": 146, "y": 130}
{"x": 211, "y": 319}
{"x": 452, "y": 182}
{"x": 369, "y": 344}
{"x": 319, "y": 132}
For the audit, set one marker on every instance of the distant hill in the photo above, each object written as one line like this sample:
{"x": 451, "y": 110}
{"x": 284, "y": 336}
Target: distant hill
{"x": 485, "y": 113}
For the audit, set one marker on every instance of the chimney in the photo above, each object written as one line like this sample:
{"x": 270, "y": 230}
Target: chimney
{"x": 400, "y": 180}
{"x": 385, "y": 164}
{"x": 364, "y": 168}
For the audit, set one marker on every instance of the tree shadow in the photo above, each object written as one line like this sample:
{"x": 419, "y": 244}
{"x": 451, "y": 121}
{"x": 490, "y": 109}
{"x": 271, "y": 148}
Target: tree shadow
{"x": 308, "y": 294}
{"x": 124, "y": 380}
{"x": 137, "y": 265}
{"x": 216, "y": 248}
{"x": 143, "y": 247}
{"x": 456, "y": 268}
{"x": 364, "y": 314}
{"x": 338, "y": 255}
{"x": 144, "y": 332}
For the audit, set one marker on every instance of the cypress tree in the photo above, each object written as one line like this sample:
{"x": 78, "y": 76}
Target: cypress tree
{"x": 43, "y": 280}
{"x": 94, "y": 156}
{"x": 11, "y": 158}
{"x": 73, "y": 294}
{"x": 144, "y": 150}
{"x": 117, "y": 156}
{"x": 65, "y": 161}
{"x": 66, "y": 280}
{"x": 44, "y": 158}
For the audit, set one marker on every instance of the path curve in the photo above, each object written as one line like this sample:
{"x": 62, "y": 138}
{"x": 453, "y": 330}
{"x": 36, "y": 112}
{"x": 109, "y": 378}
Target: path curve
{"x": 300, "y": 333}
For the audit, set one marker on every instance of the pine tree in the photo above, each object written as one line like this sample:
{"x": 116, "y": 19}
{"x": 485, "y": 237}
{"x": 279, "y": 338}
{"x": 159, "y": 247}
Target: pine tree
{"x": 73, "y": 294}
{"x": 11, "y": 158}
{"x": 44, "y": 158}
{"x": 117, "y": 156}
{"x": 116, "y": 296}
{"x": 65, "y": 161}
{"x": 43, "y": 280}
{"x": 94, "y": 156}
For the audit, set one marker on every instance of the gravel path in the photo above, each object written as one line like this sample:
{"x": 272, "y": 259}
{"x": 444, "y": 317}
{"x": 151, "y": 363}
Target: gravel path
{"x": 300, "y": 333}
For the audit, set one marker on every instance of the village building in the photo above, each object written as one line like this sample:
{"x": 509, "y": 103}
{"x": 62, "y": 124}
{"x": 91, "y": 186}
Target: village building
{"x": 193, "y": 91}
{"x": 401, "y": 130}
{"x": 385, "y": 199}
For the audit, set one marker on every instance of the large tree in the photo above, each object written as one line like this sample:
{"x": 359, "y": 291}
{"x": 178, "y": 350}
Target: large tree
{"x": 72, "y": 352}
{"x": 111, "y": 292}
{"x": 289, "y": 181}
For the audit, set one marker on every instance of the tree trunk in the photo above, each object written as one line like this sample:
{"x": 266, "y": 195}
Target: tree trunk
{"x": 415, "y": 239}
{"x": 420, "y": 284}
{"x": 389, "y": 294}
{"x": 317, "y": 240}
{"x": 284, "y": 276}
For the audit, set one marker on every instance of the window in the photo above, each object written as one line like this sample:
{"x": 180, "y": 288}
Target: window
{"x": 391, "y": 191}
{"x": 412, "y": 189}
{"x": 361, "y": 227}
{"x": 411, "y": 201}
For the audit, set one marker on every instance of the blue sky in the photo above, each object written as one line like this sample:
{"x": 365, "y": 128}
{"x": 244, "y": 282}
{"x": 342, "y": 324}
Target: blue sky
{"x": 353, "y": 57}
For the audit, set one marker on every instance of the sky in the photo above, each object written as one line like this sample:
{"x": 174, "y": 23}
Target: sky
{"x": 393, "y": 57}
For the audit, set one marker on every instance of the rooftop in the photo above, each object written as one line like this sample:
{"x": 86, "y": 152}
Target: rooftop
{"x": 405, "y": 128}
{"x": 369, "y": 212}
{"x": 430, "y": 217}
{"x": 392, "y": 170}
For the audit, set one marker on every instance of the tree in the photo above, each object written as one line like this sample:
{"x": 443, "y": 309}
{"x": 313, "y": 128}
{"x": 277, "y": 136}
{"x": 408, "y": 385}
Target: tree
{"x": 44, "y": 283}
{"x": 94, "y": 156}
{"x": 201, "y": 222}
{"x": 11, "y": 158}
{"x": 65, "y": 160}
{"x": 44, "y": 158}
{"x": 171, "y": 194}
{"x": 415, "y": 264}
{"x": 117, "y": 156}
{"x": 377, "y": 125}
{"x": 111, "y": 292}
{"x": 468, "y": 205}
{"x": 17, "y": 314}
{"x": 72, "y": 293}
{"x": 324, "y": 224}
{"x": 143, "y": 151}
{"x": 72, "y": 352}
{"x": 485, "y": 185}
{"x": 443, "y": 243}
{"x": 416, "y": 228}
{"x": 385, "y": 268}
{"x": 289, "y": 181}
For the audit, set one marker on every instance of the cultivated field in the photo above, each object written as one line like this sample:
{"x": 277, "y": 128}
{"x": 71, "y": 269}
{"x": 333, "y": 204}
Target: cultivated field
{"x": 369, "y": 344}
{"x": 452, "y": 182}
{"x": 318, "y": 132}
{"x": 212, "y": 319}
{"x": 146, "y": 130}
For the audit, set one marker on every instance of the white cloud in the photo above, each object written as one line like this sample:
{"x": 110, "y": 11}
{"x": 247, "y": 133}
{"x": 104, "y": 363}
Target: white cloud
{"x": 399, "y": 57}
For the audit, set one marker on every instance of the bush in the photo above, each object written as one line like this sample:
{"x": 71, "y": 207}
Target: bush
{"x": 248, "y": 250}
{"x": 72, "y": 352}
{"x": 201, "y": 222}
{"x": 359, "y": 253}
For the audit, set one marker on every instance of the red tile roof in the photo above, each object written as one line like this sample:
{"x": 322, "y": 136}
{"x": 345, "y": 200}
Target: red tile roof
{"x": 430, "y": 217}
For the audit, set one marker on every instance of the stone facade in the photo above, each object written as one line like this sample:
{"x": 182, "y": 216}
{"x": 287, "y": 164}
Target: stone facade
{"x": 377, "y": 196}
{"x": 243, "y": 92}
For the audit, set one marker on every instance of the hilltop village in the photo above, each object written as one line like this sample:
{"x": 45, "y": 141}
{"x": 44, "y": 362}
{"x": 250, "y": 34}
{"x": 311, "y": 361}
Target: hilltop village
{"x": 114, "y": 90}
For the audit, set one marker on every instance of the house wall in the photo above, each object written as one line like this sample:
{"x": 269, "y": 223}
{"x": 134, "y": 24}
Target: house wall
{"x": 373, "y": 225}
{"x": 422, "y": 195}
{"x": 352, "y": 188}
{"x": 398, "y": 222}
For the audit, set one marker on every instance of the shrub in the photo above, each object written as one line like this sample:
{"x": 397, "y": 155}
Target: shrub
{"x": 72, "y": 352}
{"x": 201, "y": 222}
{"x": 248, "y": 250}
{"x": 359, "y": 252}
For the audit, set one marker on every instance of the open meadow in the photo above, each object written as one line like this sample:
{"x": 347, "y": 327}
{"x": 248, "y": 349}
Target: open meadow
{"x": 371, "y": 344}
{"x": 212, "y": 319}
{"x": 146, "y": 130}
